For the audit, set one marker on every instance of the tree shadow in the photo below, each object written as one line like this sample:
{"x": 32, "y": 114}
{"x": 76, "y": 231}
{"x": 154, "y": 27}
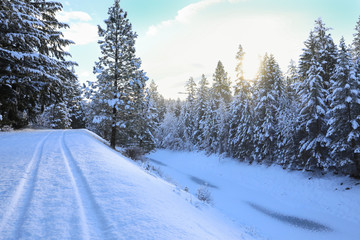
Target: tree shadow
{"x": 295, "y": 221}
{"x": 157, "y": 162}
{"x": 202, "y": 182}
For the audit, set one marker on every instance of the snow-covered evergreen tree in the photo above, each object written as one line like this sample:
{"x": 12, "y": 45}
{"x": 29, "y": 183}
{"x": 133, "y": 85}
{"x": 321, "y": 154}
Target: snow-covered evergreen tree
{"x": 268, "y": 97}
{"x": 344, "y": 123}
{"x": 200, "y": 108}
{"x": 209, "y": 125}
{"x": 121, "y": 82}
{"x": 34, "y": 71}
{"x": 240, "y": 80}
{"x": 316, "y": 66}
{"x": 157, "y": 102}
{"x": 56, "y": 116}
{"x": 241, "y": 115}
{"x": 221, "y": 85}
{"x": 288, "y": 117}
{"x": 321, "y": 44}
{"x": 188, "y": 114}
{"x": 312, "y": 125}
{"x": 214, "y": 127}
{"x": 356, "y": 41}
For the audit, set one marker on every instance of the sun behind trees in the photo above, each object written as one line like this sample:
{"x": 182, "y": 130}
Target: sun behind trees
{"x": 306, "y": 120}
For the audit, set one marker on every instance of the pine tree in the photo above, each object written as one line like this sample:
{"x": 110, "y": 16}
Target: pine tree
{"x": 344, "y": 124}
{"x": 356, "y": 41}
{"x": 121, "y": 83}
{"x": 34, "y": 71}
{"x": 269, "y": 94}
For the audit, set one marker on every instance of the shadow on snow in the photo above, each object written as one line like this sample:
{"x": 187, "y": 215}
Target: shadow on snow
{"x": 298, "y": 222}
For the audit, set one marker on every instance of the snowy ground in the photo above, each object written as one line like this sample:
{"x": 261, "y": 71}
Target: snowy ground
{"x": 69, "y": 185}
{"x": 275, "y": 203}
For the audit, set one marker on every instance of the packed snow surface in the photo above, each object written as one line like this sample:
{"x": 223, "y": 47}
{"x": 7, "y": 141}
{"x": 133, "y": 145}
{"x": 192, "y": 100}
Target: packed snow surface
{"x": 70, "y": 185}
{"x": 275, "y": 203}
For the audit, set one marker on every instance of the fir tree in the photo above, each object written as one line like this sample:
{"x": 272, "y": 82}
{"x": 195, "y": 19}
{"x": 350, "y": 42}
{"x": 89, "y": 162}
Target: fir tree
{"x": 312, "y": 122}
{"x": 321, "y": 45}
{"x": 157, "y": 101}
{"x": 344, "y": 124}
{"x": 209, "y": 127}
{"x": 288, "y": 117}
{"x": 34, "y": 71}
{"x": 189, "y": 113}
{"x": 269, "y": 93}
{"x": 221, "y": 85}
{"x": 241, "y": 117}
{"x": 240, "y": 80}
{"x": 202, "y": 97}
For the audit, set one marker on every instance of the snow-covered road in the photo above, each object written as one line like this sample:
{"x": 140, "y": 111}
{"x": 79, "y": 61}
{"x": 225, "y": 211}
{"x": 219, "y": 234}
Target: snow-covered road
{"x": 69, "y": 185}
{"x": 277, "y": 204}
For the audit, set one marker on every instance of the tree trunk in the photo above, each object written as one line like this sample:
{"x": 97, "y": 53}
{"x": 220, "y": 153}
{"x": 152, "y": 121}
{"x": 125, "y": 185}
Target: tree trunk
{"x": 113, "y": 130}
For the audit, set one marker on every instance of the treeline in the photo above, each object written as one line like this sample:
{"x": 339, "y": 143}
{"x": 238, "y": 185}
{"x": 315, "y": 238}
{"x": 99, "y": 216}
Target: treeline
{"x": 306, "y": 119}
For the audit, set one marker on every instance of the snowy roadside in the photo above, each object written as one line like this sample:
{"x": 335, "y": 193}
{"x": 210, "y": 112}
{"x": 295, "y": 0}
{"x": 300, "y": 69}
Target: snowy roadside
{"x": 68, "y": 185}
{"x": 276, "y": 203}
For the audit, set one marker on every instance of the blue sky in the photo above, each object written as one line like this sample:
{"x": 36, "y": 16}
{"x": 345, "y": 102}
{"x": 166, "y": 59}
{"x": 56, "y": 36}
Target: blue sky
{"x": 183, "y": 38}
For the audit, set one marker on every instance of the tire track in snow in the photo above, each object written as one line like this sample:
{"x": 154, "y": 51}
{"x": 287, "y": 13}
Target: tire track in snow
{"x": 15, "y": 215}
{"x": 91, "y": 215}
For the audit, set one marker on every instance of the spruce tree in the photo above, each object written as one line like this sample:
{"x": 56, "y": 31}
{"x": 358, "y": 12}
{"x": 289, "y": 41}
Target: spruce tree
{"x": 344, "y": 123}
{"x": 189, "y": 113}
{"x": 202, "y": 96}
{"x": 312, "y": 125}
{"x": 241, "y": 115}
{"x": 269, "y": 94}
{"x": 288, "y": 116}
{"x": 221, "y": 85}
{"x": 121, "y": 82}
{"x": 316, "y": 67}
{"x": 321, "y": 45}
{"x": 240, "y": 80}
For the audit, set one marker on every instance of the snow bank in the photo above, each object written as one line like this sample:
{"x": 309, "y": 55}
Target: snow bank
{"x": 67, "y": 184}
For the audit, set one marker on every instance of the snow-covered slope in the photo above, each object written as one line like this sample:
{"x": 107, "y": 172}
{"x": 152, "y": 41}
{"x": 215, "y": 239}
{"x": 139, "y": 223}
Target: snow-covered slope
{"x": 277, "y": 204}
{"x": 69, "y": 185}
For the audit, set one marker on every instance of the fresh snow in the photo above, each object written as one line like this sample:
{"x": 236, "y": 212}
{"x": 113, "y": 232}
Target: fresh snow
{"x": 274, "y": 203}
{"x": 67, "y": 184}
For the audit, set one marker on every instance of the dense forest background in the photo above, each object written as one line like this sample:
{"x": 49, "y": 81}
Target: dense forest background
{"x": 307, "y": 118}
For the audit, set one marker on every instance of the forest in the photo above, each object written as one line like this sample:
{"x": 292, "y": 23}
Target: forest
{"x": 307, "y": 118}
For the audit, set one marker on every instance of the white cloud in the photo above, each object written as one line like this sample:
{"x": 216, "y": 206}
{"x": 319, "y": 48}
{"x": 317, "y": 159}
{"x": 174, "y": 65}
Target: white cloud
{"x": 73, "y": 15}
{"x": 185, "y": 14}
{"x": 82, "y": 33}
